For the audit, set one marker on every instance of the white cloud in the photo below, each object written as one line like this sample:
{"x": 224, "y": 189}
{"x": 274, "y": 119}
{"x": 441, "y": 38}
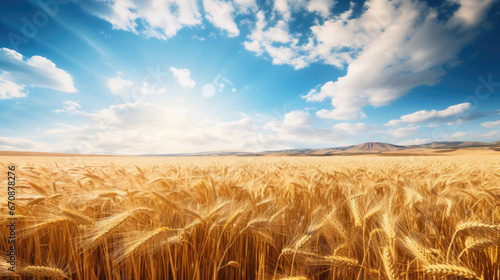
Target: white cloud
{"x": 467, "y": 136}
{"x": 489, "y": 134}
{"x": 458, "y": 134}
{"x": 391, "y": 53}
{"x": 70, "y": 107}
{"x": 291, "y": 123}
{"x": 320, "y": 6}
{"x": 353, "y": 128}
{"x": 276, "y": 41}
{"x": 278, "y": 33}
{"x": 143, "y": 128}
{"x": 21, "y": 144}
{"x": 10, "y": 90}
{"x": 146, "y": 89}
{"x": 417, "y": 141}
{"x": 119, "y": 85}
{"x": 297, "y": 118}
{"x": 245, "y": 6}
{"x": 141, "y": 115}
{"x": 385, "y": 48}
{"x": 491, "y": 124}
{"x": 286, "y": 7}
{"x": 161, "y": 19}
{"x": 183, "y": 77}
{"x": 17, "y": 73}
{"x": 470, "y": 12}
{"x": 454, "y": 110}
{"x": 403, "y": 131}
{"x": 283, "y": 8}
{"x": 221, "y": 15}
{"x": 298, "y": 126}
{"x": 432, "y": 115}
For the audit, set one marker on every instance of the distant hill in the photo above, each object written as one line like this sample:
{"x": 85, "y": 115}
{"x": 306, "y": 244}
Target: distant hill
{"x": 363, "y": 148}
{"x": 457, "y": 145}
{"x": 375, "y": 148}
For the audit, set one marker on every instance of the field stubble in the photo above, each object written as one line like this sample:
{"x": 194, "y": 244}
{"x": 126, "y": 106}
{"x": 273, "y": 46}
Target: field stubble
{"x": 256, "y": 218}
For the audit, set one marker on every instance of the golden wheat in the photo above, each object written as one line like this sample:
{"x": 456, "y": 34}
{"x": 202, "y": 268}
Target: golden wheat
{"x": 353, "y": 218}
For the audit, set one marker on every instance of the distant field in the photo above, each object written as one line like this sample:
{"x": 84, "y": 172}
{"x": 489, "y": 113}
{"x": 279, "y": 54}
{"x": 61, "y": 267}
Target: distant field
{"x": 360, "y": 217}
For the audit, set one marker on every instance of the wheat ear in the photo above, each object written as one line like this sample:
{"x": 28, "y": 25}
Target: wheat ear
{"x": 389, "y": 265}
{"x": 472, "y": 227}
{"x": 44, "y": 271}
{"x": 450, "y": 270}
{"x": 158, "y": 233}
{"x": 112, "y": 224}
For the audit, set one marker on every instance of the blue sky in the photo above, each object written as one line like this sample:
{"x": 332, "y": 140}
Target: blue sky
{"x": 155, "y": 76}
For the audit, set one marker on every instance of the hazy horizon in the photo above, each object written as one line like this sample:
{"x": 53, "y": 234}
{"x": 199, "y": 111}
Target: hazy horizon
{"x": 186, "y": 76}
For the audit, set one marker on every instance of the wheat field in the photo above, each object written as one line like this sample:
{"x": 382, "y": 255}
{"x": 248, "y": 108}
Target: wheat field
{"x": 360, "y": 217}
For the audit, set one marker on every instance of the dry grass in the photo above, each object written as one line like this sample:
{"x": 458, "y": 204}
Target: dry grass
{"x": 256, "y": 218}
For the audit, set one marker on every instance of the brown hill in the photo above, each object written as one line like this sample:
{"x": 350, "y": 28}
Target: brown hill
{"x": 374, "y": 147}
{"x": 360, "y": 149}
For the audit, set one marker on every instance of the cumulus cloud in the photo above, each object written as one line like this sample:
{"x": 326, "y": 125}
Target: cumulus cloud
{"x": 147, "y": 89}
{"x": 468, "y": 135}
{"x": 322, "y": 7}
{"x": 294, "y": 123}
{"x": 161, "y": 19}
{"x": 70, "y": 107}
{"x": 489, "y": 134}
{"x": 10, "y": 90}
{"x": 18, "y": 72}
{"x": 417, "y": 141}
{"x": 146, "y": 128}
{"x": 286, "y": 7}
{"x": 183, "y": 77}
{"x": 458, "y": 134}
{"x": 119, "y": 85}
{"x": 353, "y": 128}
{"x": 22, "y": 144}
{"x": 491, "y": 124}
{"x": 385, "y": 48}
{"x": 388, "y": 51}
{"x": 275, "y": 41}
{"x": 141, "y": 115}
{"x": 470, "y": 12}
{"x": 299, "y": 127}
{"x": 127, "y": 128}
{"x": 245, "y": 6}
{"x": 445, "y": 115}
{"x": 221, "y": 15}
{"x": 402, "y": 132}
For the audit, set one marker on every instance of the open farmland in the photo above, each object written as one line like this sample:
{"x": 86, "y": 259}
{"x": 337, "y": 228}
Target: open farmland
{"x": 359, "y": 217}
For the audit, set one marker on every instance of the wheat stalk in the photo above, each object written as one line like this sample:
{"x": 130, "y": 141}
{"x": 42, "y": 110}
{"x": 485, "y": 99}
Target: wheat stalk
{"x": 305, "y": 218}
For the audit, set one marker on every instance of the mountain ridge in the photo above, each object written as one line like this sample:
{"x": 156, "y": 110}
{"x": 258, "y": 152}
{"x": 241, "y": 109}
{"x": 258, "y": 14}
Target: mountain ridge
{"x": 381, "y": 148}
{"x": 362, "y": 148}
